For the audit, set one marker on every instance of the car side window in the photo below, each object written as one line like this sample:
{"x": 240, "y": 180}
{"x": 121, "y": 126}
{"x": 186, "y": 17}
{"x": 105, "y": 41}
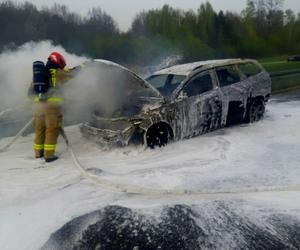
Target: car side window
{"x": 249, "y": 69}
{"x": 198, "y": 85}
{"x": 227, "y": 76}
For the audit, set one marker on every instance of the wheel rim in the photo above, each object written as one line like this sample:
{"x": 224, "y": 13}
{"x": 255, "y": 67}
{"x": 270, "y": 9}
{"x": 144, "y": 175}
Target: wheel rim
{"x": 257, "y": 110}
{"x": 260, "y": 111}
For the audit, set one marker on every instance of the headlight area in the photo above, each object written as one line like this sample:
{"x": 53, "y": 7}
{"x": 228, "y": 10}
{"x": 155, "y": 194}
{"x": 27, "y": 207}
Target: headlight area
{"x": 114, "y": 133}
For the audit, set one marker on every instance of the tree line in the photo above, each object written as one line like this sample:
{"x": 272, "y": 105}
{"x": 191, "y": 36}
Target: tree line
{"x": 262, "y": 29}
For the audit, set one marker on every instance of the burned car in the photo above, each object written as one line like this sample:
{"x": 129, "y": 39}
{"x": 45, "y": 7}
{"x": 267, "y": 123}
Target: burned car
{"x": 180, "y": 102}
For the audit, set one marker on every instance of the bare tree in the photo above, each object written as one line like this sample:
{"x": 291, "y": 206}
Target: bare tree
{"x": 273, "y": 5}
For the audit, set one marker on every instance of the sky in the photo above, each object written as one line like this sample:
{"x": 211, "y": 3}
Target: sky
{"x": 123, "y": 11}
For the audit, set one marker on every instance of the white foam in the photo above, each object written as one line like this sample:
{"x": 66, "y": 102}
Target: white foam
{"x": 37, "y": 198}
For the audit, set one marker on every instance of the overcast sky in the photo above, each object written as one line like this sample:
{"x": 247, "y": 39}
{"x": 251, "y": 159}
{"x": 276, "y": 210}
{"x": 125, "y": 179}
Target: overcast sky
{"x": 123, "y": 11}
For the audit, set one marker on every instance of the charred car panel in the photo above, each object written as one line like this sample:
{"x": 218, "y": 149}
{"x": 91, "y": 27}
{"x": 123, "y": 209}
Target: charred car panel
{"x": 212, "y": 95}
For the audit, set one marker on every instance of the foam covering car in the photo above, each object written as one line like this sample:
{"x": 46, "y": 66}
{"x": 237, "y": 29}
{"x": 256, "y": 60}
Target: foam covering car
{"x": 179, "y": 102}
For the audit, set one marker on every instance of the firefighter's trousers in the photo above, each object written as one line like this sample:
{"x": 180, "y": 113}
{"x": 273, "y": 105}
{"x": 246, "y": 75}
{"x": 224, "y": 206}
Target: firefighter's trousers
{"x": 48, "y": 121}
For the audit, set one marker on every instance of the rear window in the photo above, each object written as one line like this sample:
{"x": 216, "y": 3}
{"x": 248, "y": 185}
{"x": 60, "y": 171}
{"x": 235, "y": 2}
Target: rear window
{"x": 249, "y": 69}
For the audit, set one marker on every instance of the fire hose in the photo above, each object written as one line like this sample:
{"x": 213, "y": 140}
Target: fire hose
{"x": 4, "y": 112}
{"x": 132, "y": 189}
{"x": 28, "y": 124}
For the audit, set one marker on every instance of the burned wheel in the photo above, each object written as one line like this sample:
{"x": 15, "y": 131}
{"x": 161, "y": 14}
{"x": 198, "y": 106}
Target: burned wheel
{"x": 158, "y": 135}
{"x": 256, "y": 111}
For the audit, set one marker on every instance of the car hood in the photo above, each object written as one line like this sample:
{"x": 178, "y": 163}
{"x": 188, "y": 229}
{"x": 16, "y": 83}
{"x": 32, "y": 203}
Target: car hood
{"x": 131, "y": 80}
{"x": 114, "y": 91}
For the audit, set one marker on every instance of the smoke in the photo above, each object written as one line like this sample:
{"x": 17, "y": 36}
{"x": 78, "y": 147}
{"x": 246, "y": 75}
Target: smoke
{"x": 162, "y": 62}
{"x": 15, "y": 79}
{"x": 16, "y": 70}
{"x": 99, "y": 86}
{"x": 107, "y": 89}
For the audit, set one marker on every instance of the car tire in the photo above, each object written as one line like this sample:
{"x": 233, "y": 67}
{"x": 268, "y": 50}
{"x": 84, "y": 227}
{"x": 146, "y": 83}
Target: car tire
{"x": 157, "y": 135}
{"x": 255, "y": 111}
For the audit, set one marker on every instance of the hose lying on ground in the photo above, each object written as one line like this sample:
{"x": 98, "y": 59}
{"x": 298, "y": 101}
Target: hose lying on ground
{"x": 132, "y": 189}
{"x": 28, "y": 124}
{"x": 10, "y": 110}
{"x": 4, "y": 112}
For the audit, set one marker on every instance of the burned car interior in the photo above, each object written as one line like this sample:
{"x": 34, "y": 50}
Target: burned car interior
{"x": 198, "y": 85}
{"x": 179, "y": 102}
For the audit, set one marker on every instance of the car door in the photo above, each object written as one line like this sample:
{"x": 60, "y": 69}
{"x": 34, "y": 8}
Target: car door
{"x": 199, "y": 100}
{"x": 233, "y": 94}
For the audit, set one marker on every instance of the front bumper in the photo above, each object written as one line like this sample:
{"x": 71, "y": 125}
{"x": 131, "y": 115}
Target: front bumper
{"x": 107, "y": 138}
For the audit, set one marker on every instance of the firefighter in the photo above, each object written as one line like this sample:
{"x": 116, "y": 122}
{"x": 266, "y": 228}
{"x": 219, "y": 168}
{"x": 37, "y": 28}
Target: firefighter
{"x": 46, "y": 92}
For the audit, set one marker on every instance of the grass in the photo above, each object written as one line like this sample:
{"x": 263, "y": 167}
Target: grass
{"x": 273, "y": 59}
{"x": 281, "y": 66}
{"x": 286, "y": 82}
{"x": 278, "y": 64}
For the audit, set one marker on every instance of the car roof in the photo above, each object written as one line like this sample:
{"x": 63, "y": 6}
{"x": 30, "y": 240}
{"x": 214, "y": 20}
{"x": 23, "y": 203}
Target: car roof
{"x": 186, "y": 69}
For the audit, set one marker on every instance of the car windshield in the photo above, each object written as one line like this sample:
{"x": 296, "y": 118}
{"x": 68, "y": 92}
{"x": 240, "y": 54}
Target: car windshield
{"x": 165, "y": 83}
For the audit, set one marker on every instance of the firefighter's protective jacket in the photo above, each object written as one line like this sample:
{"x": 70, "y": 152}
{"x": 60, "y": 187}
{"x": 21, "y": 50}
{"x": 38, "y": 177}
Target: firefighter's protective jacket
{"x": 48, "y": 115}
